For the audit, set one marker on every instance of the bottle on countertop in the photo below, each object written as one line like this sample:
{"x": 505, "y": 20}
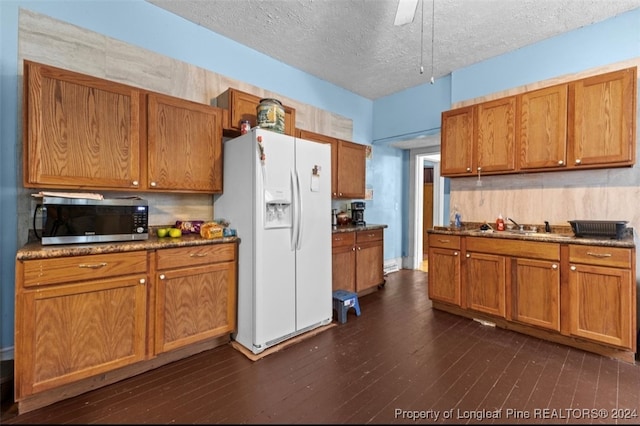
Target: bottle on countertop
{"x": 500, "y": 223}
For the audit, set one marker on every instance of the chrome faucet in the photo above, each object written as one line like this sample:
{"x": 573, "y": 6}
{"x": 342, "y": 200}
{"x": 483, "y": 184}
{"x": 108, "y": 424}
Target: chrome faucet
{"x": 521, "y": 227}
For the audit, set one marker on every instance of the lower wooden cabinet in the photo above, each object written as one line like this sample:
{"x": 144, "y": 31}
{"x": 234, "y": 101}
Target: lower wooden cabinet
{"x": 444, "y": 280}
{"x": 576, "y": 294}
{"x": 77, "y": 317}
{"x": 88, "y": 320}
{"x": 343, "y": 260}
{"x": 357, "y": 260}
{"x": 195, "y": 294}
{"x": 486, "y": 283}
{"x": 536, "y": 293}
{"x": 602, "y": 295}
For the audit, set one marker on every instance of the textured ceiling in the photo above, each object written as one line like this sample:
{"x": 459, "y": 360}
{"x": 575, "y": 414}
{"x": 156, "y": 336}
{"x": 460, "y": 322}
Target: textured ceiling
{"x": 354, "y": 44}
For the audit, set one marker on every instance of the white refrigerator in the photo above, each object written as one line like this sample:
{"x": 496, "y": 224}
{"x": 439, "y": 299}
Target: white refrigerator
{"x": 277, "y": 195}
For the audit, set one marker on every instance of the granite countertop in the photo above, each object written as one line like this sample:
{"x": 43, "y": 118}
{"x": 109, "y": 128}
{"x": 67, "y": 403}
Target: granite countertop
{"x": 351, "y": 228}
{"x": 35, "y": 250}
{"x": 559, "y": 234}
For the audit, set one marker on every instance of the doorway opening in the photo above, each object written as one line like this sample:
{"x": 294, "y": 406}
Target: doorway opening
{"x": 425, "y": 160}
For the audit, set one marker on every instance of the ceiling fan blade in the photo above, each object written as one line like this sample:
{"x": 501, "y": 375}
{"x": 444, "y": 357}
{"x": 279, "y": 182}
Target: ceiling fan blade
{"x": 406, "y": 12}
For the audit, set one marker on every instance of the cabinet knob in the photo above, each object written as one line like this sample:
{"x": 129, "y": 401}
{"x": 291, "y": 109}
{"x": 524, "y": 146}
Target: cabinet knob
{"x": 468, "y": 255}
{"x": 162, "y": 277}
{"x": 554, "y": 266}
{"x": 153, "y": 184}
{"x": 142, "y": 281}
{"x": 479, "y": 169}
{"x": 468, "y": 169}
{"x": 353, "y": 249}
{"x": 573, "y": 268}
{"x": 341, "y": 194}
{"x": 455, "y": 253}
{"x": 359, "y": 248}
{"x": 560, "y": 162}
{"x": 578, "y": 161}
{"x": 135, "y": 183}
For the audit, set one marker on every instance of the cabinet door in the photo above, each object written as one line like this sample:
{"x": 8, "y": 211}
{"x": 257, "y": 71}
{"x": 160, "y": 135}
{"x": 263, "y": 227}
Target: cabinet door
{"x": 457, "y": 142}
{"x": 486, "y": 280}
{"x": 351, "y": 169}
{"x": 343, "y": 261}
{"x": 543, "y": 128}
{"x": 193, "y": 304}
{"x": 65, "y": 333}
{"x": 317, "y": 137}
{"x": 536, "y": 293}
{"x": 444, "y": 275}
{"x": 601, "y": 301}
{"x": 80, "y": 131}
{"x": 369, "y": 265}
{"x": 243, "y": 107}
{"x": 496, "y": 135}
{"x": 604, "y": 112}
{"x": 184, "y": 145}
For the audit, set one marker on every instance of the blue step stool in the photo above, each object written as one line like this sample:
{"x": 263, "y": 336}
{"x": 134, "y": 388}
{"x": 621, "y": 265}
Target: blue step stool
{"x": 342, "y": 301}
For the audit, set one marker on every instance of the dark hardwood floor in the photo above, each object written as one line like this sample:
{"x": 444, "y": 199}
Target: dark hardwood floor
{"x": 399, "y": 360}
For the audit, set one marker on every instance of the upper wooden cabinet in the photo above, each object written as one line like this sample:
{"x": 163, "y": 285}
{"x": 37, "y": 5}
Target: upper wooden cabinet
{"x": 480, "y": 138}
{"x": 79, "y": 131}
{"x": 83, "y": 132}
{"x": 543, "y": 128}
{"x": 496, "y": 135}
{"x": 456, "y": 146}
{"x": 587, "y": 123}
{"x": 243, "y": 106}
{"x": 185, "y": 133}
{"x": 604, "y": 120}
{"x": 348, "y": 165}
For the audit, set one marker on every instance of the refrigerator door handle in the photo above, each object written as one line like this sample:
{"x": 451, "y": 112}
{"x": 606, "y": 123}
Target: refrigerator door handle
{"x": 299, "y": 212}
{"x": 295, "y": 222}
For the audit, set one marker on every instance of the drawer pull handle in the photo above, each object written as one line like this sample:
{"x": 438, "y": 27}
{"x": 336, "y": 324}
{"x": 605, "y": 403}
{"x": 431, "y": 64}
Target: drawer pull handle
{"x": 92, "y": 265}
{"x": 197, "y": 254}
{"x": 444, "y": 241}
{"x": 598, "y": 254}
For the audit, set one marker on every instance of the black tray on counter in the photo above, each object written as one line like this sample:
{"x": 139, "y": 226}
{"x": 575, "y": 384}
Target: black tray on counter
{"x": 599, "y": 228}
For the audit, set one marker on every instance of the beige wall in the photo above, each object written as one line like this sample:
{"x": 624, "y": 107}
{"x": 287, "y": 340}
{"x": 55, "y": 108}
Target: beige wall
{"x": 57, "y": 43}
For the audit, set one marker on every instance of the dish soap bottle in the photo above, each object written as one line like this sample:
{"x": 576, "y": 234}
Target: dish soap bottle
{"x": 500, "y": 223}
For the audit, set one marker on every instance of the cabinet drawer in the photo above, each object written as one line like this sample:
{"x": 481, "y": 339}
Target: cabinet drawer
{"x": 517, "y": 248}
{"x": 444, "y": 241}
{"x": 82, "y": 268}
{"x": 343, "y": 239}
{"x": 192, "y": 256}
{"x": 597, "y": 255}
{"x": 373, "y": 235}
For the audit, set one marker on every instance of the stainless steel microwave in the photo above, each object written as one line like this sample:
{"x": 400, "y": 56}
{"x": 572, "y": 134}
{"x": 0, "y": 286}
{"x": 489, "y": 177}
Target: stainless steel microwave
{"x": 81, "y": 220}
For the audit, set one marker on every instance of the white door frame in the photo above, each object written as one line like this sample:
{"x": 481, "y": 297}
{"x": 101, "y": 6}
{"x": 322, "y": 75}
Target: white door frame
{"x": 416, "y": 232}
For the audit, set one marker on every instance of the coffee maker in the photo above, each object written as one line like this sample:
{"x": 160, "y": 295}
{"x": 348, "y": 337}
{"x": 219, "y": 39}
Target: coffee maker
{"x": 357, "y": 213}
